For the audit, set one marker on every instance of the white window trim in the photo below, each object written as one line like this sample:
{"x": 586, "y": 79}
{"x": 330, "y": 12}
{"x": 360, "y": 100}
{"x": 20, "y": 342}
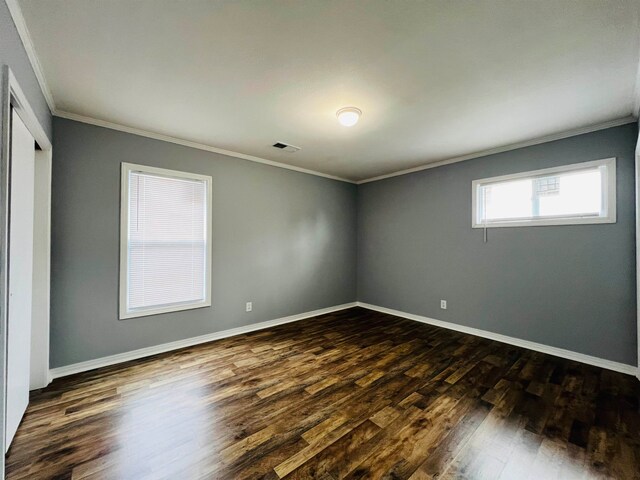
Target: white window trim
{"x": 124, "y": 226}
{"x": 608, "y": 195}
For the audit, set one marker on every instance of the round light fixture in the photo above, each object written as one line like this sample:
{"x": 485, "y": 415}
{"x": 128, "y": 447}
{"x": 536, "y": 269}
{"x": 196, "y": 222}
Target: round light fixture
{"x": 348, "y": 116}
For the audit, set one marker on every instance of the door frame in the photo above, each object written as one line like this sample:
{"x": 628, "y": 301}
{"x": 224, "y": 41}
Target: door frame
{"x": 12, "y": 97}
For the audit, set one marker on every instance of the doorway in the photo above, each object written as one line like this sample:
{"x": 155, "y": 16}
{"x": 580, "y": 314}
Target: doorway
{"x": 25, "y": 179}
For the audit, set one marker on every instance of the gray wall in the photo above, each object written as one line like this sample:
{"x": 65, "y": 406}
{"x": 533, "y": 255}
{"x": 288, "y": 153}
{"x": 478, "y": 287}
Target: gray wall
{"x": 12, "y": 53}
{"x": 571, "y": 287}
{"x": 284, "y": 240}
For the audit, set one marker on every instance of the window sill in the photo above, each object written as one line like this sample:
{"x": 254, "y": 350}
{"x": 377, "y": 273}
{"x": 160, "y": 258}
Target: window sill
{"x": 158, "y": 311}
{"x": 548, "y": 222}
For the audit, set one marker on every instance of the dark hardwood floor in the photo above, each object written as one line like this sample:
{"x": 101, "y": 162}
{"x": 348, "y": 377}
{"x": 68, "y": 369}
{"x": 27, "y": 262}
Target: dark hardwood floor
{"x": 355, "y": 394}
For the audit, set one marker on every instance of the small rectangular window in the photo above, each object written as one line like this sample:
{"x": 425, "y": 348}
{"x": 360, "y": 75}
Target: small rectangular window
{"x": 568, "y": 195}
{"x": 165, "y": 252}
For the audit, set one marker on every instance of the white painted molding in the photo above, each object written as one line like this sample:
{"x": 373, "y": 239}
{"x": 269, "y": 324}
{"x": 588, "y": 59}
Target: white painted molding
{"x": 188, "y": 143}
{"x": 538, "y": 347}
{"x": 188, "y": 342}
{"x": 25, "y": 36}
{"x": 506, "y": 148}
{"x": 18, "y": 100}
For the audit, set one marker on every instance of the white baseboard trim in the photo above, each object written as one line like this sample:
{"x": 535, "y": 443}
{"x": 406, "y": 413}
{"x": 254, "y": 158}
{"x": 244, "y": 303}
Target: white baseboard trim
{"x": 187, "y": 342}
{"x": 538, "y": 347}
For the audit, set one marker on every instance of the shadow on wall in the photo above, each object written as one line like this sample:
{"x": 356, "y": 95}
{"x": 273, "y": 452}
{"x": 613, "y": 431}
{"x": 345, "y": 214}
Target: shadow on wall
{"x": 299, "y": 254}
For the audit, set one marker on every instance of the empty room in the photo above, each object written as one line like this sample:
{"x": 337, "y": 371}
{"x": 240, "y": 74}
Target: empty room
{"x": 319, "y": 239}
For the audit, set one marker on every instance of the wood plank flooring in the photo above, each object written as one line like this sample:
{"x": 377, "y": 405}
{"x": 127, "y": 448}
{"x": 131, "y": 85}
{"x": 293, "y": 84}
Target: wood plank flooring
{"x": 355, "y": 394}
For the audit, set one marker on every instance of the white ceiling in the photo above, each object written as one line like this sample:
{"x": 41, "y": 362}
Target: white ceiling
{"x": 435, "y": 79}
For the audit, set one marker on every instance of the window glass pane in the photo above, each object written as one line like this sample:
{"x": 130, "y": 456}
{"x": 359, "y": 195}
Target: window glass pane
{"x": 167, "y": 241}
{"x": 578, "y": 193}
{"x": 508, "y": 200}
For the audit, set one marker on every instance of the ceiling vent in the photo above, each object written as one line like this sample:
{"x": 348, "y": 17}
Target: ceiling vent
{"x": 286, "y": 148}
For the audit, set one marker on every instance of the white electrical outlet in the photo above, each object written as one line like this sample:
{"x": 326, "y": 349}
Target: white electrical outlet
{"x": 443, "y": 304}
{"x": 249, "y": 306}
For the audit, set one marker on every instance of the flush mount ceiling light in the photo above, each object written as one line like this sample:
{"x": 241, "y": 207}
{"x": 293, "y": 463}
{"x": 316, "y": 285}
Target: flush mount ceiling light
{"x": 348, "y": 116}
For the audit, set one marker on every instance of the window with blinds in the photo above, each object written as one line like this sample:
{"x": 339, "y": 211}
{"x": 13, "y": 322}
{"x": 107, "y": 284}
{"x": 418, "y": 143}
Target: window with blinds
{"x": 165, "y": 252}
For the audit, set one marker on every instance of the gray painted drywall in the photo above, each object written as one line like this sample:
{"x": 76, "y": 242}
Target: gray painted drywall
{"x": 284, "y": 240}
{"x": 571, "y": 287}
{"x": 12, "y": 53}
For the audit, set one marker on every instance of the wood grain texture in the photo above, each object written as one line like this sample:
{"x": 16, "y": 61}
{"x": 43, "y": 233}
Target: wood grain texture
{"x": 354, "y": 394}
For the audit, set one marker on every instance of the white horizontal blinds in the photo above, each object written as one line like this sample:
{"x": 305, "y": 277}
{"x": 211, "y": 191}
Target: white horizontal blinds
{"x": 167, "y": 242}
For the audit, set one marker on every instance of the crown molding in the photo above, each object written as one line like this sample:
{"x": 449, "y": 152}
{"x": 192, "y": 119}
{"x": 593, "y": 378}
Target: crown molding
{"x": 25, "y": 36}
{"x": 506, "y": 148}
{"x": 200, "y": 146}
{"x": 188, "y": 143}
